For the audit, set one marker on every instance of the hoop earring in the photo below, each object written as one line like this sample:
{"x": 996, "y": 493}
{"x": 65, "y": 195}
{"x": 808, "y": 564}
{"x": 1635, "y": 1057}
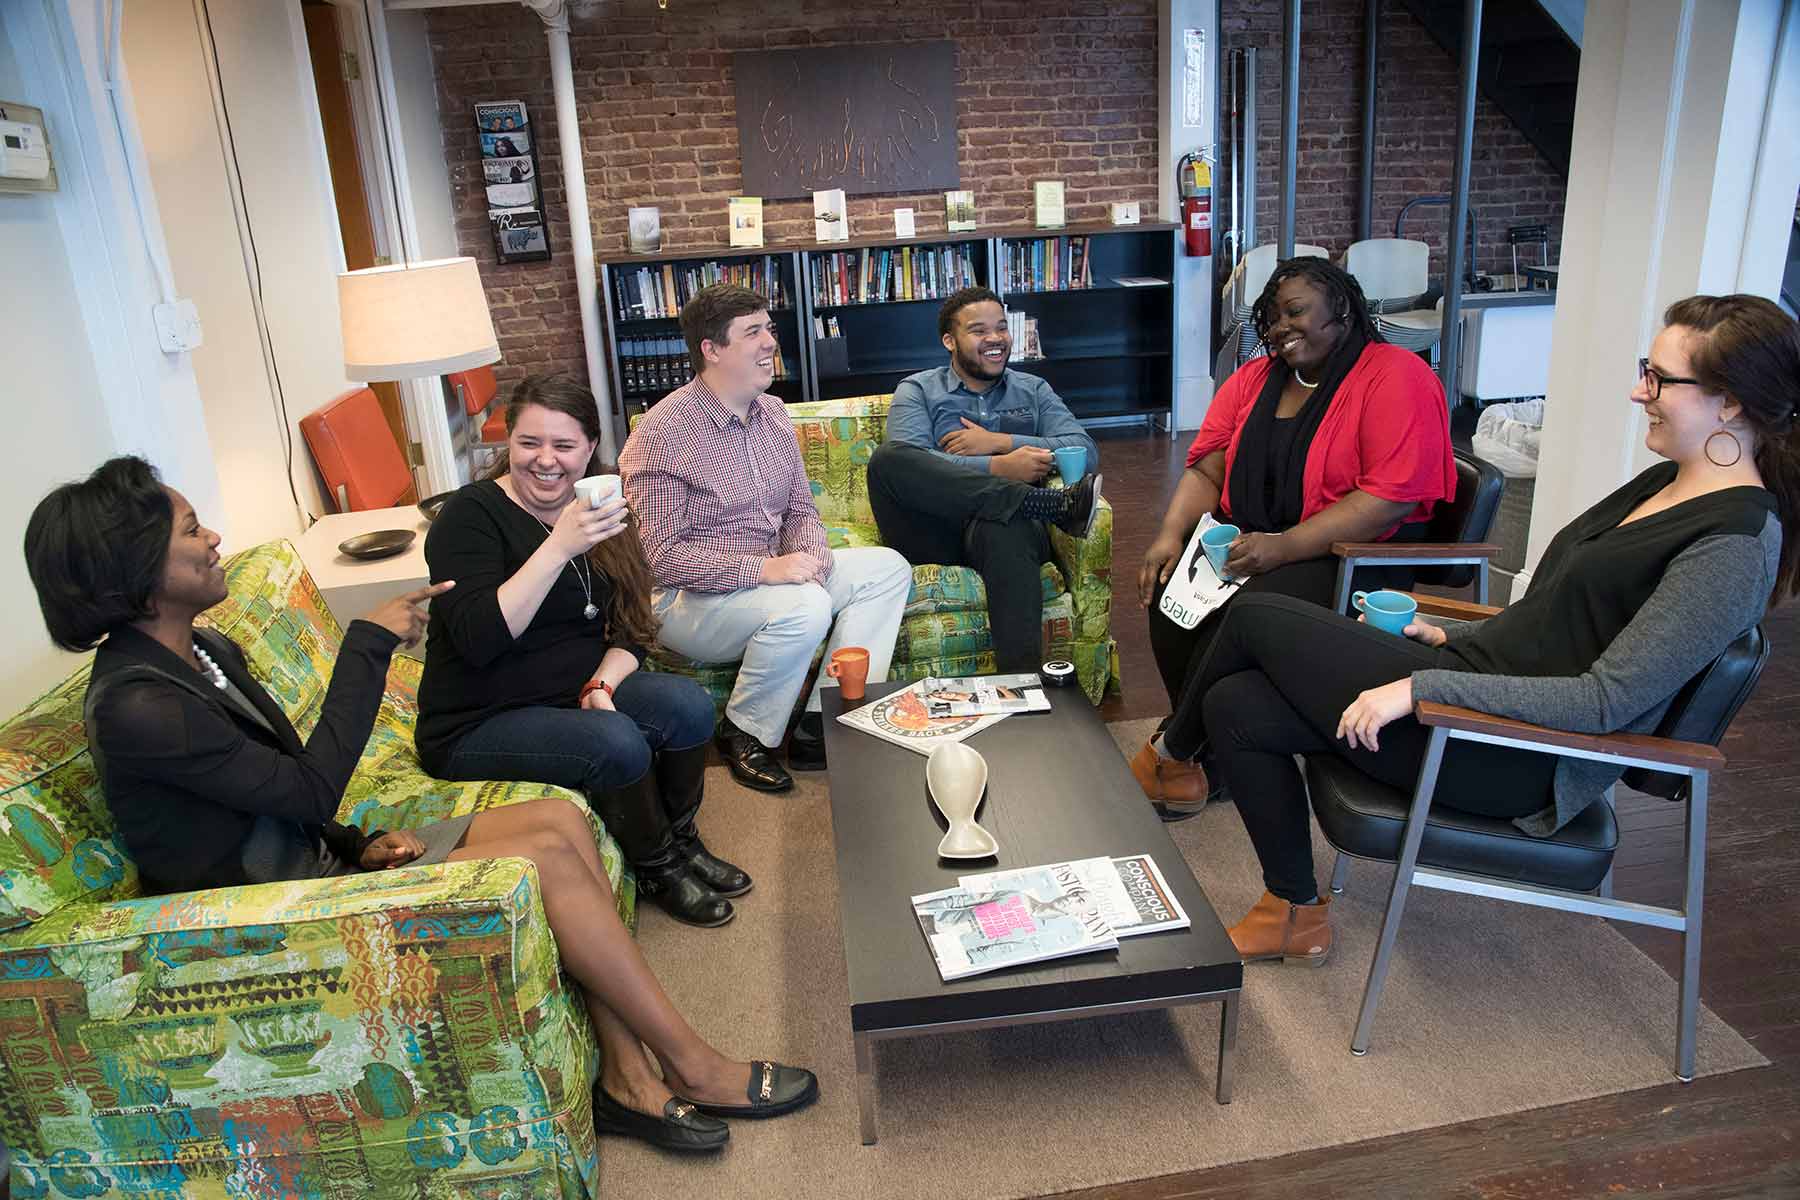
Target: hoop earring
{"x": 1707, "y": 448}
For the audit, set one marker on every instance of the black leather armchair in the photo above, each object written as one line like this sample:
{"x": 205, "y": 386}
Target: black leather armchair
{"x": 1455, "y": 550}
{"x": 1572, "y": 870}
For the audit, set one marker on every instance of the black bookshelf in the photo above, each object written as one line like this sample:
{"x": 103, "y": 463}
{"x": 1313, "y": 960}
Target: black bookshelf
{"x": 1107, "y": 347}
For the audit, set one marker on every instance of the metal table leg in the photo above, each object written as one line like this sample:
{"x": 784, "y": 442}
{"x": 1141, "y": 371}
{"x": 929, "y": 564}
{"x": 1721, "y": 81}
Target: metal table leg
{"x": 865, "y": 1086}
{"x": 1228, "y": 1020}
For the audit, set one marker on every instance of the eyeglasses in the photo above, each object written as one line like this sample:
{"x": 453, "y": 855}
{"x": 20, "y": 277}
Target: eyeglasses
{"x": 1654, "y": 379}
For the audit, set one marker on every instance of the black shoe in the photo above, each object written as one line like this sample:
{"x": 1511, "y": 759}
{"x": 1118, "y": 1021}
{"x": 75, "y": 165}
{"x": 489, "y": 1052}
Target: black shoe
{"x": 679, "y": 891}
{"x": 774, "y": 1089}
{"x": 682, "y": 1125}
{"x": 751, "y": 762}
{"x": 1081, "y": 503}
{"x": 681, "y": 779}
{"x": 806, "y": 748}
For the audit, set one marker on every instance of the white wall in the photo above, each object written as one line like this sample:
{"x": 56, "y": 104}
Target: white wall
{"x": 274, "y": 124}
{"x": 54, "y": 408}
{"x": 422, "y": 135}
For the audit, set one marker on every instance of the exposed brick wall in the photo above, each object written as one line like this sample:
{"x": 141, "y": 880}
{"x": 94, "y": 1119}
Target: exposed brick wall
{"x": 1510, "y": 183}
{"x": 1053, "y": 89}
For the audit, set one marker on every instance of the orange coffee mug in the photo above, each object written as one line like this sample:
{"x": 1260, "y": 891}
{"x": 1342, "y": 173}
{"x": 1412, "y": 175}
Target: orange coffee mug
{"x": 850, "y": 667}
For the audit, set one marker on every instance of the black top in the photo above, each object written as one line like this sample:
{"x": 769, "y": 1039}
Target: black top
{"x": 474, "y": 667}
{"x": 1281, "y": 448}
{"x": 195, "y": 779}
{"x": 1597, "y": 574}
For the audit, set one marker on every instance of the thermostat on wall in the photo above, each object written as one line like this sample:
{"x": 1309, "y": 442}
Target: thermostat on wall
{"x": 25, "y": 164}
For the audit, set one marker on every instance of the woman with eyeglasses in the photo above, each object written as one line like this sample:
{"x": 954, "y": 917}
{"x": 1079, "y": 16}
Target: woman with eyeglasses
{"x": 1629, "y": 602}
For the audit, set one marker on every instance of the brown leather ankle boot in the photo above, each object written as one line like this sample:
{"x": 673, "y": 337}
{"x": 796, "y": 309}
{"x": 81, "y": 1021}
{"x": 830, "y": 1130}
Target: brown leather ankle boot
{"x": 1276, "y": 929}
{"x": 1177, "y": 786}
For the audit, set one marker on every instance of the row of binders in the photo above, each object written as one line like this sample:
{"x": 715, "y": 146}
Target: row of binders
{"x": 1058, "y": 264}
{"x": 876, "y": 275}
{"x": 656, "y": 366}
{"x": 642, "y": 293}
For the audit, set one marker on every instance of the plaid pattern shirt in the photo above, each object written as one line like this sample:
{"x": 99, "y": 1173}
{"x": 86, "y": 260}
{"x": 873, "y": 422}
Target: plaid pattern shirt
{"x": 715, "y": 495}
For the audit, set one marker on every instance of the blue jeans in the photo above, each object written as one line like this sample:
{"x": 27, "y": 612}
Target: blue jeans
{"x": 590, "y": 750}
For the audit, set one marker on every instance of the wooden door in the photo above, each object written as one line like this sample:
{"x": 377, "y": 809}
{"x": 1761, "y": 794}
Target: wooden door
{"x": 347, "y": 184}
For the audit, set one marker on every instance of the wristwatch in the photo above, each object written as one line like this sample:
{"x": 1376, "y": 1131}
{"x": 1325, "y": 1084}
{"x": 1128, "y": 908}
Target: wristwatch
{"x": 594, "y": 685}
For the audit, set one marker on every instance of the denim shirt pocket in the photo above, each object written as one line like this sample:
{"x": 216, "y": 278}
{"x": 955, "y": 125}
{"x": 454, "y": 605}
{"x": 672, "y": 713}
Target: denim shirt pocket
{"x": 1021, "y": 419}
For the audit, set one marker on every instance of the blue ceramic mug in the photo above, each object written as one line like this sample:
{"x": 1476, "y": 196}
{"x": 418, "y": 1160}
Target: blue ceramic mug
{"x": 1071, "y": 463}
{"x": 1392, "y": 611}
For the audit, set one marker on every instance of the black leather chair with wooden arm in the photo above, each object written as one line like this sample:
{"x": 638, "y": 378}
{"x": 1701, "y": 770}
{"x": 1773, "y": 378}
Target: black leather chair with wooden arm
{"x": 1458, "y": 851}
{"x": 1455, "y": 550}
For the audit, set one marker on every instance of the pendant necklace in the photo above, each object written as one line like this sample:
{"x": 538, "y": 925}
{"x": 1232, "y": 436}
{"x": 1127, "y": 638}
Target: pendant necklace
{"x": 582, "y": 575}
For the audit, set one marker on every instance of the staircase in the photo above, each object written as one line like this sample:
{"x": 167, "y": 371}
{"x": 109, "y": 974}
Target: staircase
{"x": 1528, "y": 66}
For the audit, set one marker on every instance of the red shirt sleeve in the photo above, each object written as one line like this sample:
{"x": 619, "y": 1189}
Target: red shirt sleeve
{"x": 1403, "y": 437}
{"x": 1230, "y": 405}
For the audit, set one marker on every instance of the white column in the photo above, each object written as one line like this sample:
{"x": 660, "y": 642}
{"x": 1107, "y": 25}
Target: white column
{"x": 1684, "y": 141}
{"x": 1176, "y": 137}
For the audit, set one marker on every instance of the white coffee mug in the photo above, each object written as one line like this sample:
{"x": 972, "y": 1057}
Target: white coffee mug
{"x": 596, "y": 490}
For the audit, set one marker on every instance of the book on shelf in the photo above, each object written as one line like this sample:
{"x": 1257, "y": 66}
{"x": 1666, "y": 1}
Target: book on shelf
{"x": 831, "y": 217}
{"x": 1024, "y": 333}
{"x": 1047, "y": 200}
{"x": 656, "y": 366}
{"x": 1037, "y": 914}
{"x": 643, "y": 230}
{"x": 879, "y": 274}
{"x": 659, "y": 290}
{"x": 959, "y": 211}
{"x": 1128, "y": 891}
{"x": 903, "y": 223}
{"x": 744, "y": 216}
{"x": 1058, "y": 264}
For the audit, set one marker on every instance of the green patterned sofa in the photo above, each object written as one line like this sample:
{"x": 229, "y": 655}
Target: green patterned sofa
{"x": 405, "y": 1033}
{"x": 945, "y": 630}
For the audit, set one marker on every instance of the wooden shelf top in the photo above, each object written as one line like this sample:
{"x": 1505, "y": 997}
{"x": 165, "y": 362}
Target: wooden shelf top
{"x": 704, "y": 253}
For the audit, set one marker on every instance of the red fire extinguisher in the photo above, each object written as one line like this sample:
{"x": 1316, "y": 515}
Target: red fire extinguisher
{"x": 1194, "y": 177}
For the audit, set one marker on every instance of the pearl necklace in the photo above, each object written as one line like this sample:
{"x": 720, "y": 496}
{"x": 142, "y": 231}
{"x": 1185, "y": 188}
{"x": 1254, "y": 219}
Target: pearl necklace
{"x": 209, "y": 668}
{"x": 582, "y": 575}
{"x": 1301, "y": 380}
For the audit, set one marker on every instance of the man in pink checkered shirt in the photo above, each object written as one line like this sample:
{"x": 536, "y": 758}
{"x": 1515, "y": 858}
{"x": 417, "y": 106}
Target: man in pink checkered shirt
{"x": 741, "y": 562}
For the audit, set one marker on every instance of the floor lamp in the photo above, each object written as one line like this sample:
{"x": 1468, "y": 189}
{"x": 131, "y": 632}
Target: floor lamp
{"x": 413, "y": 320}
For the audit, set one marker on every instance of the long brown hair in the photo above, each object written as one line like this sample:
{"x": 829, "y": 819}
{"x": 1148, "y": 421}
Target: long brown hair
{"x": 621, "y": 557}
{"x": 1748, "y": 349}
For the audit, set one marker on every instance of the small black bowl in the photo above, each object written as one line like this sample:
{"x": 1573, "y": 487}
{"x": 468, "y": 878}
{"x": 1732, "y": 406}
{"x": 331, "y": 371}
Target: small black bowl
{"x": 431, "y": 506}
{"x": 382, "y": 543}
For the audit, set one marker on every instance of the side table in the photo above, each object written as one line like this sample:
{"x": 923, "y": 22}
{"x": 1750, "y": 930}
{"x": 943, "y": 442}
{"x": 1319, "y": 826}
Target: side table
{"x": 354, "y": 587}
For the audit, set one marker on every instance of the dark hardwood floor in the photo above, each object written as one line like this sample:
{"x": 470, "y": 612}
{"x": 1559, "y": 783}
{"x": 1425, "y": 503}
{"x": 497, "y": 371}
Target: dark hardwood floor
{"x": 1736, "y": 1135}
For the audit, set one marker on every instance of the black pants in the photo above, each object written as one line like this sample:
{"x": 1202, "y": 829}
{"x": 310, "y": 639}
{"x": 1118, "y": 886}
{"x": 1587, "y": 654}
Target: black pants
{"x": 1178, "y": 651}
{"x": 935, "y": 511}
{"x": 1273, "y": 684}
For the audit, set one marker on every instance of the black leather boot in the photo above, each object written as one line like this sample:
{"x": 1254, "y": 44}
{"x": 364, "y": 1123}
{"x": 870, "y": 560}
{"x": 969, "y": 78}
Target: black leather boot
{"x": 681, "y": 778}
{"x": 634, "y": 816}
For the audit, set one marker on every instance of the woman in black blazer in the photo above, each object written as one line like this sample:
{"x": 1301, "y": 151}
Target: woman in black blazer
{"x": 210, "y": 786}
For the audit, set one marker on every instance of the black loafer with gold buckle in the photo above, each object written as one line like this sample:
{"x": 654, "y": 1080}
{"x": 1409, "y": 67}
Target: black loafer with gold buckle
{"x": 774, "y": 1089}
{"x": 681, "y": 1127}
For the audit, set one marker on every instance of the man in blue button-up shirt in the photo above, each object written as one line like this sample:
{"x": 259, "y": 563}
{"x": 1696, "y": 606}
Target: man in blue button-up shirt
{"x": 958, "y": 480}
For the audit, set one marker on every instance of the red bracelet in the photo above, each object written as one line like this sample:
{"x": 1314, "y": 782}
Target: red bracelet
{"x": 594, "y": 685}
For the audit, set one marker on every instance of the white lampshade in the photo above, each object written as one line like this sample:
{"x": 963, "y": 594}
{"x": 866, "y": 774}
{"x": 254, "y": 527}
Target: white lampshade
{"x": 427, "y": 318}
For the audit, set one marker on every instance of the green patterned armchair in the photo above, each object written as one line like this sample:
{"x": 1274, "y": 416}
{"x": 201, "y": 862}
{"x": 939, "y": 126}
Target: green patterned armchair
{"x": 945, "y": 630}
{"x": 401, "y": 1033}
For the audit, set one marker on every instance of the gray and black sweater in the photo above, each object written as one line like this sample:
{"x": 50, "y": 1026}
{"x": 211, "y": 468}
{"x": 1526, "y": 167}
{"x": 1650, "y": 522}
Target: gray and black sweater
{"x": 1617, "y": 619}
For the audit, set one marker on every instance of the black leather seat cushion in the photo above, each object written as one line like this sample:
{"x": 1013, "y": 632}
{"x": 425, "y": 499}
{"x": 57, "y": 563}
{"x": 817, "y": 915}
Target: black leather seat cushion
{"x": 1367, "y": 819}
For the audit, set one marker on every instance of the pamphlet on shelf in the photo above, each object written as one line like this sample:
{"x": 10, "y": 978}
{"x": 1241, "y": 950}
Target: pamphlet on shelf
{"x": 959, "y": 211}
{"x": 1048, "y": 200}
{"x": 744, "y": 214}
{"x": 1036, "y": 915}
{"x": 903, "y": 223}
{"x": 903, "y": 719}
{"x": 1129, "y": 891}
{"x": 644, "y": 230}
{"x": 831, "y": 217}
{"x": 981, "y": 695}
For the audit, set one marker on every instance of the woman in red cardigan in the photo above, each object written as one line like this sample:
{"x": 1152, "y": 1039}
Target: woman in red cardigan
{"x": 1331, "y": 436}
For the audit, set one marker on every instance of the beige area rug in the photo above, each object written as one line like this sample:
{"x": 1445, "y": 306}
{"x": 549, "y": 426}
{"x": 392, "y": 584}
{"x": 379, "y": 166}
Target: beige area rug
{"x": 1489, "y": 1008}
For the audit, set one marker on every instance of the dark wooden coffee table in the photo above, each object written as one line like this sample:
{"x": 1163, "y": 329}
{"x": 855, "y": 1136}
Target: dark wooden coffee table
{"x": 1057, "y": 789}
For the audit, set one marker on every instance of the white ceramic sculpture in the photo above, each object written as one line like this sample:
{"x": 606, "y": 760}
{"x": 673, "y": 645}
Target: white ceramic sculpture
{"x": 957, "y": 776}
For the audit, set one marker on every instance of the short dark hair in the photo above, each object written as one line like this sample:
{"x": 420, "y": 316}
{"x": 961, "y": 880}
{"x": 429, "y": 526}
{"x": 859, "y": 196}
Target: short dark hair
{"x": 96, "y": 549}
{"x": 961, "y": 299}
{"x": 708, "y": 316}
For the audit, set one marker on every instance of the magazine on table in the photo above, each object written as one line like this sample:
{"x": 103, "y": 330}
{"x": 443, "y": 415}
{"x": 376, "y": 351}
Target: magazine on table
{"x": 1036, "y": 914}
{"x": 981, "y": 695}
{"x": 1129, "y": 891}
{"x": 902, "y": 718}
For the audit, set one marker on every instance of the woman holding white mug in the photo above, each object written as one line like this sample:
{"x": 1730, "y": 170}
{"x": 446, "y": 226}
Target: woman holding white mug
{"x": 532, "y": 672}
